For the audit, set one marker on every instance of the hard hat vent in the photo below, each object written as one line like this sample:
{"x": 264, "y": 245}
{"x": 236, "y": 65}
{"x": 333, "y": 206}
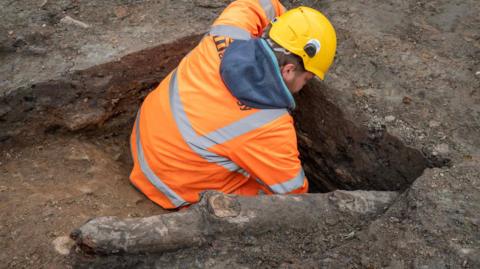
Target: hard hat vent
{"x": 312, "y": 47}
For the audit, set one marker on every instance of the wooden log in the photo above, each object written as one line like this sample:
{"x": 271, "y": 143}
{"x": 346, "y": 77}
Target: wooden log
{"x": 219, "y": 215}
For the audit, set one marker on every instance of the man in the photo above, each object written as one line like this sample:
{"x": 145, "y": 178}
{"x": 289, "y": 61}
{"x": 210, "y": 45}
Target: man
{"x": 220, "y": 120}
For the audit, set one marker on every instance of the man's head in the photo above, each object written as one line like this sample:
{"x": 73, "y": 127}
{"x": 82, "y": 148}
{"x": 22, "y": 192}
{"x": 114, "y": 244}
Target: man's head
{"x": 295, "y": 77}
{"x": 304, "y": 43}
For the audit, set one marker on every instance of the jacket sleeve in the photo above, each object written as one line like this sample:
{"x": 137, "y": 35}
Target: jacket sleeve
{"x": 249, "y": 16}
{"x": 271, "y": 157}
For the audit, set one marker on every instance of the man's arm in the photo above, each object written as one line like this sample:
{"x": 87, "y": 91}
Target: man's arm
{"x": 271, "y": 156}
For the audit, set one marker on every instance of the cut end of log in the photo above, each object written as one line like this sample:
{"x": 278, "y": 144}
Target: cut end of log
{"x": 223, "y": 206}
{"x": 83, "y": 242}
{"x": 75, "y": 234}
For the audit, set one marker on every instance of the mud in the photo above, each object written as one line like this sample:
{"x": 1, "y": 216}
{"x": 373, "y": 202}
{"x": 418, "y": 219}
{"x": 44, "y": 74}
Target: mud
{"x": 107, "y": 95}
{"x": 337, "y": 154}
{"x": 402, "y": 98}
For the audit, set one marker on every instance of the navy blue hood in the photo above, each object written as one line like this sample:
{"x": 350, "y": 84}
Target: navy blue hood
{"x": 250, "y": 71}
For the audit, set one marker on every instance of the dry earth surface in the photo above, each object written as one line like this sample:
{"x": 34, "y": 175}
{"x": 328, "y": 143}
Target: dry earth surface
{"x": 399, "y": 111}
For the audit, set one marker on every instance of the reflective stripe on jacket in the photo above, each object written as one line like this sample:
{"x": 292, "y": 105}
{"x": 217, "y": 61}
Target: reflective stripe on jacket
{"x": 192, "y": 134}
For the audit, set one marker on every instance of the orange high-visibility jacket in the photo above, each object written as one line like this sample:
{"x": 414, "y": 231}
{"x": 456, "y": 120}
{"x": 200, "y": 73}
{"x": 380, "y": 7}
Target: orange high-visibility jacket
{"x": 194, "y": 133}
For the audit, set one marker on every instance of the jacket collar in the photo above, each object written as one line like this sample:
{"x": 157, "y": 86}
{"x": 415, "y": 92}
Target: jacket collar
{"x": 251, "y": 72}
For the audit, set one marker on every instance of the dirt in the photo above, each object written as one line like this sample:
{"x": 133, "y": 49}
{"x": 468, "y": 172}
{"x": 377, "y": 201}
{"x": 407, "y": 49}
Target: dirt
{"x": 48, "y": 188}
{"x": 38, "y": 44}
{"x": 400, "y": 110}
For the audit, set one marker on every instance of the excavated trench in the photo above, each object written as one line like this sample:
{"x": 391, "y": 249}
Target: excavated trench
{"x": 339, "y": 154}
{"x": 97, "y": 107}
{"x": 68, "y": 100}
{"x": 102, "y": 101}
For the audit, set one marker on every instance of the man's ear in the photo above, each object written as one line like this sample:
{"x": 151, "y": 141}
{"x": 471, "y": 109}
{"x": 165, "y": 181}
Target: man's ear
{"x": 288, "y": 71}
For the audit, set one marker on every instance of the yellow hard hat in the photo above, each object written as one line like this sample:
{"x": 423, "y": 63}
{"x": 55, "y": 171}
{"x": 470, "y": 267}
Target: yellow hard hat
{"x": 309, "y": 34}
